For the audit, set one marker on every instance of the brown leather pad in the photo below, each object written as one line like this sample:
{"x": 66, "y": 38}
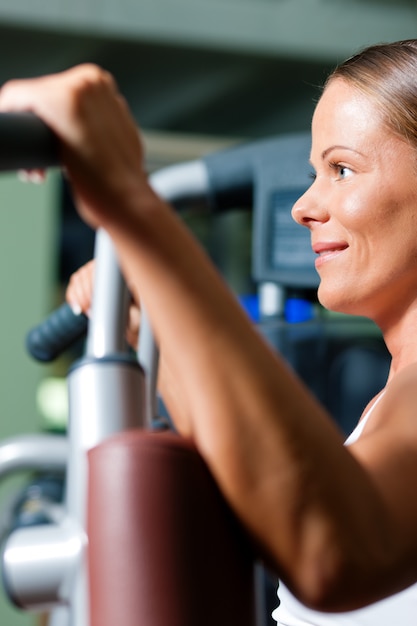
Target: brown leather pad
{"x": 164, "y": 547}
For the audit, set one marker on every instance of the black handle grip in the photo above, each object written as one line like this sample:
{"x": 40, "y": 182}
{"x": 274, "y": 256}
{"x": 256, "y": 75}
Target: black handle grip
{"x": 56, "y": 334}
{"x": 26, "y": 143}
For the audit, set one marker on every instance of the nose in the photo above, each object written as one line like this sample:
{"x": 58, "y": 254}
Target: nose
{"x": 310, "y": 208}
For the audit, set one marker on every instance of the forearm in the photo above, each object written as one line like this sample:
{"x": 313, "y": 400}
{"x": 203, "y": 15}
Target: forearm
{"x": 169, "y": 389}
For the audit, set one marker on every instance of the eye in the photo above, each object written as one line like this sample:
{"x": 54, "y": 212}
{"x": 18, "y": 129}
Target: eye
{"x": 341, "y": 171}
{"x": 312, "y": 176}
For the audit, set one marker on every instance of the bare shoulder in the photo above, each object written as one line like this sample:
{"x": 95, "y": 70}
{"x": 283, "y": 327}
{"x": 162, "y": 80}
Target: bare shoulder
{"x": 387, "y": 449}
{"x": 396, "y": 410}
{"x": 399, "y": 405}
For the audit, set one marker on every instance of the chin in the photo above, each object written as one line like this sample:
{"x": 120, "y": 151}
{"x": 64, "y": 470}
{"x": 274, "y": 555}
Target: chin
{"x": 338, "y": 302}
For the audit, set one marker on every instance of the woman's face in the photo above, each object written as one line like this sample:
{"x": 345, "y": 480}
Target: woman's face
{"x": 361, "y": 209}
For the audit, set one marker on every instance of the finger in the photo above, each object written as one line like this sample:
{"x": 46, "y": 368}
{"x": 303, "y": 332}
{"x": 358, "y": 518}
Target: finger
{"x": 14, "y": 95}
{"x": 36, "y": 176}
{"x": 80, "y": 288}
{"x": 132, "y": 332}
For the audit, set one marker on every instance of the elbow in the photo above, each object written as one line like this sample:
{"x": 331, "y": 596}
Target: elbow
{"x": 327, "y": 583}
{"x": 318, "y": 586}
{"x": 339, "y": 582}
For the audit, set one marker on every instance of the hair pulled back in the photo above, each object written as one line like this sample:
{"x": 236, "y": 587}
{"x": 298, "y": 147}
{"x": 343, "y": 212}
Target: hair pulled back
{"x": 387, "y": 73}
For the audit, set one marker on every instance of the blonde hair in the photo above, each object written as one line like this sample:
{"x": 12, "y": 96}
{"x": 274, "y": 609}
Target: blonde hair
{"x": 387, "y": 73}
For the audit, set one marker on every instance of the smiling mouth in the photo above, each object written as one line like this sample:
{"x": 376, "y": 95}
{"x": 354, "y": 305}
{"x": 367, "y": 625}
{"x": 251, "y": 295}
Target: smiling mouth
{"x": 327, "y": 252}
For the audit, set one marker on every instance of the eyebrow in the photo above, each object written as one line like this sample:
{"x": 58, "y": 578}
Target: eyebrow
{"x": 325, "y": 152}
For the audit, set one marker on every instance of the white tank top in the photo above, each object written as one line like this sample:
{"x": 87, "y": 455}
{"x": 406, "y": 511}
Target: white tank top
{"x": 399, "y": 609}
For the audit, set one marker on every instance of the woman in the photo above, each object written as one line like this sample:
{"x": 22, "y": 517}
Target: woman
{"x": 338, "y": 522}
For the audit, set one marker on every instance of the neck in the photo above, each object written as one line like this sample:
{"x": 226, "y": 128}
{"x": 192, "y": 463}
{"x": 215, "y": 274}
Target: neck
{"x": 400, "y": 336}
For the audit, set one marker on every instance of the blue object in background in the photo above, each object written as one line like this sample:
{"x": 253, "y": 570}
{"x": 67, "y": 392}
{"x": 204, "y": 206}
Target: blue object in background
{"x": 251, "y": 305}
{"x": 295, "y": 309}
{"x": 298, "y": 310}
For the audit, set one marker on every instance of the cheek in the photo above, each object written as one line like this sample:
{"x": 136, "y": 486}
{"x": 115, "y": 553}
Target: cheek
{"x": 367, "y": 212}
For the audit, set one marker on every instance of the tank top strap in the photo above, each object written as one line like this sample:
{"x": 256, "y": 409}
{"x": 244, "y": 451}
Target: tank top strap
{"x": 356, "y": 433}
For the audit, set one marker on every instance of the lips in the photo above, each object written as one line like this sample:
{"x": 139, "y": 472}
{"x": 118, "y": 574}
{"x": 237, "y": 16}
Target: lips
{"x": 328, "y": 250}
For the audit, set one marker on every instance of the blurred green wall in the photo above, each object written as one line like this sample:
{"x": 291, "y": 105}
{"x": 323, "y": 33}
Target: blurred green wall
{"x": 28, "y": 253}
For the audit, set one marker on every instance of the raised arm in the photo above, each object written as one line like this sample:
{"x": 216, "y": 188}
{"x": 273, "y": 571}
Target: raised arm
{"x": 324, "y": 518}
